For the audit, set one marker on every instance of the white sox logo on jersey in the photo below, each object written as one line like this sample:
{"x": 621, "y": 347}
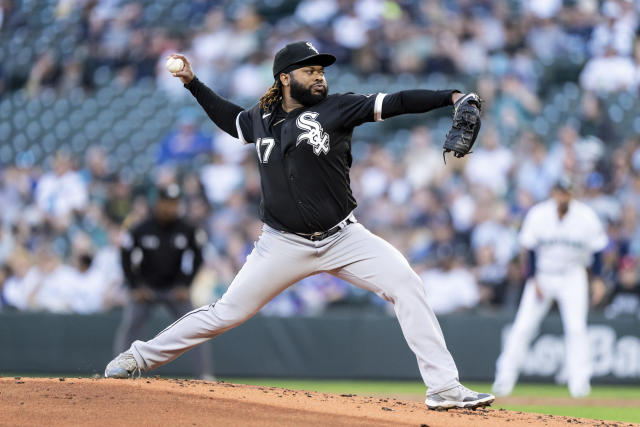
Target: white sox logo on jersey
{"x": 314, "y": 134}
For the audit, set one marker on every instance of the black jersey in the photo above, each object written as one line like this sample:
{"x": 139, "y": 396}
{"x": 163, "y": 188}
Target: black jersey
{"x": 304, "y": 156}
{"x": 304, "y": 159}
{"x": 155, "y": 254}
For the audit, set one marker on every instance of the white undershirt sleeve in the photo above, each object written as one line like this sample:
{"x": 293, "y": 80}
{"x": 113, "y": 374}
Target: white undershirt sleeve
{"x": 239, "y": 129}
{"x": 377, "y": 107}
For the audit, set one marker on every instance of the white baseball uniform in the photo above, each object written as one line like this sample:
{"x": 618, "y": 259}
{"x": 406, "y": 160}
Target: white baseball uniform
{"x": 563, "y": 249}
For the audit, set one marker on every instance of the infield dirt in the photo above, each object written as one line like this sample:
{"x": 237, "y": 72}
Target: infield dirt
{"x": 171, "y": 402}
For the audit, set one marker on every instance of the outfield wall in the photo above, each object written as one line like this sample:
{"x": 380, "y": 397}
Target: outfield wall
{"x": 333, "y": 346}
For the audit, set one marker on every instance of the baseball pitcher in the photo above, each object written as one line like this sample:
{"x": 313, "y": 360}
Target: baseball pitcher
{"x": 561, "y": 236}
{"x": 302, "y": 137}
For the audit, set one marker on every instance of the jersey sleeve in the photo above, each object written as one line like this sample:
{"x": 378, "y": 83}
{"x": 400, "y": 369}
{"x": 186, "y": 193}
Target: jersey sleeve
{"x": 221, "y": 111}
{"x": 597, "y": 236}
{"x": 528, "y": 235}
{"x": 357, "y": 109}
{"x": 244, "y": 124}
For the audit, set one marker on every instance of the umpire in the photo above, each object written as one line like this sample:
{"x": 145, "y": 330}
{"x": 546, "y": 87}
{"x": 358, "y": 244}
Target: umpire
{"x": 160, "y": 257}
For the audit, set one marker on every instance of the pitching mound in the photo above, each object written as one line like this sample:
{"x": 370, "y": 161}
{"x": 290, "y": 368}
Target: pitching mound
{"x": 155, "y": 401}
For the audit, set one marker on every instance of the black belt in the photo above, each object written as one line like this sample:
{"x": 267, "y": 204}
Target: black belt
{"x": 321, "y": 235}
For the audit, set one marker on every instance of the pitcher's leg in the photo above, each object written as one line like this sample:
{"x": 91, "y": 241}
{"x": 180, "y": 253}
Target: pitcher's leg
{"x": 204, "y": 353}
{"x": 370, "y": 262}
{"x": 272, "y": 266}
{"x": 573, "y": 303}
{"x": 530, "y": 313}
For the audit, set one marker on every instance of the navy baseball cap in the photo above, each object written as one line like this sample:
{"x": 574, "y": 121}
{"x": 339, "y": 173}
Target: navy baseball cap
{"x": 299, "y": 54}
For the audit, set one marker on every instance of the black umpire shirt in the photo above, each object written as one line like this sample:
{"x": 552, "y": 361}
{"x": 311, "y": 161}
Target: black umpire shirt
{"x": 162, "y": 256}
{"x": 304, "y": 156}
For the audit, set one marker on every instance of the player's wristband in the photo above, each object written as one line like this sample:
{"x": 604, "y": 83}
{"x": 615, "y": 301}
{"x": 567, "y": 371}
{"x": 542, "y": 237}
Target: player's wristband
{"x": 596, "y": 264}
{"x": 531, "y": 266}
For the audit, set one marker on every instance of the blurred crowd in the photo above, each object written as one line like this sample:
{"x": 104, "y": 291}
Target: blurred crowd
{"x": 518, "y": 46}
{"x": 458, "y": 224}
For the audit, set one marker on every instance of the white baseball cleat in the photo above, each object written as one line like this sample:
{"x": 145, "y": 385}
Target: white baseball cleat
{"x": 123, "y": 366}
{"x": 458, "y": 397}
{"x": 583, "y": 390}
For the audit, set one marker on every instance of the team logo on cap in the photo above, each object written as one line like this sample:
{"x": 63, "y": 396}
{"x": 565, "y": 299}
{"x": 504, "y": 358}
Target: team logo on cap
{"x": 312, "y": 47}
{"x": 314, "y": 135}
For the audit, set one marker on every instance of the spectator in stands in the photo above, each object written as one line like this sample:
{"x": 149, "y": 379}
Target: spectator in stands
{"x": 508, "y": 296}
{"x": 56, "y": 288}
{"x": 563, "y": 153}
{"x": 184, "y": 144}
{"x": 595, "y": 121}
{"x": 534, "y": 173}
{"x": 422, "y": 159}
{"x": 97, "y": 276}
{"x": 625, "y": 298}
{"x": 220, "y": 179}
{"x": 16, "y": 187}
{"x": 6, "y": 242}
{"x": 22, "y": 281}
{"x": 450, "y": 287}
{"x": 607, "y": 207}
{"x": 121, "y": 201}
{"x": 61, "y": 191}
{"x": 616, "y": 29}
{"x": 316, "y": 13}
{"x": 95, "y": 288}
{"x": 515, "y": 105}
{"x": 609, "y": 73}
{"x": 97, "y": 174}
{"x": 491, "y": 164}
{"x": 44, "y": 74}
{"x": 546, "y": 37}
{"x": 490, "y": 275}
{"x": 493, "y": 229}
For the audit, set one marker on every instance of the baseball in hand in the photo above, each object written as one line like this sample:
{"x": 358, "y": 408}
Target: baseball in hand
{"x": 174, "y": 65}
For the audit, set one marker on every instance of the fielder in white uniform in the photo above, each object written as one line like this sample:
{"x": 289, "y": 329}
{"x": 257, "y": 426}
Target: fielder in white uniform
{"x": 562, "y": 236}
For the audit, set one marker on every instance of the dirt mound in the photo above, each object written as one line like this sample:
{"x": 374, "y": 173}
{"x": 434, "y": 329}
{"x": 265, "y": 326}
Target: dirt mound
{"x": 156, "y": 401}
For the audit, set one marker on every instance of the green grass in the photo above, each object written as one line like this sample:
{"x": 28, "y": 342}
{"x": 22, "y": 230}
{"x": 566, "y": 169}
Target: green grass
{"x": 416, "y": 387}
{"x": 553, "y": 390}
{"x": 364, "y": 388}
{"x": 629, "y": 415}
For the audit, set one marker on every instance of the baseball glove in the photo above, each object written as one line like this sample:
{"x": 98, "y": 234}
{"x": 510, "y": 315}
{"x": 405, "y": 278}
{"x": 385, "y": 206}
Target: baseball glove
{"x": 465, "y": 127}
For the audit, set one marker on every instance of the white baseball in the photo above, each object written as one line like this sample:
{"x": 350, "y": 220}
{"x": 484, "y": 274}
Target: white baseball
{"x": 174, "y": 65}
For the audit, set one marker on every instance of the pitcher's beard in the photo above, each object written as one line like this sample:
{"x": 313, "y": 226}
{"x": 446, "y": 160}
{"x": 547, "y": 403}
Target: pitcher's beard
{"x": 304, "y": 95}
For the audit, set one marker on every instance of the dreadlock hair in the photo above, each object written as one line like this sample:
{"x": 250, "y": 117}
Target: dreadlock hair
{"x": 273, "y": 95}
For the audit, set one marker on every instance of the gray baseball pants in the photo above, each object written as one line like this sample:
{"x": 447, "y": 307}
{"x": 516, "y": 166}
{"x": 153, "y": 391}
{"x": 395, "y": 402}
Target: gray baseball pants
{"x": 136, "y": 315}
{"x": 281, "y": 259}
